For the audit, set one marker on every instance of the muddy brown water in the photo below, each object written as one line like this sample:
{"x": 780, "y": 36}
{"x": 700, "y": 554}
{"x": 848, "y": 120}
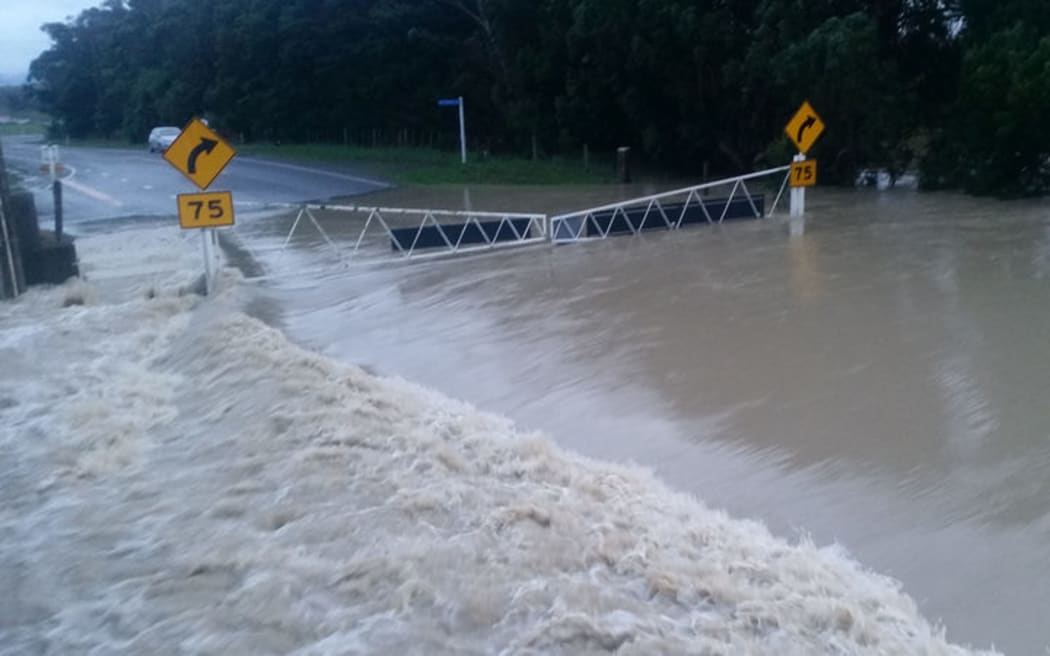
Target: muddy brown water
{"x": 881, "y": 379}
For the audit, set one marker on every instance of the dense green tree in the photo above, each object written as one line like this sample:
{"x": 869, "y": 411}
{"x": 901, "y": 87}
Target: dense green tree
{"x": 992, "y": 140}
{"x": 959, "y": 85}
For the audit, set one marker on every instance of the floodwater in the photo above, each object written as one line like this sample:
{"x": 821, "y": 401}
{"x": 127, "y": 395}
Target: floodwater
{"x": 879, "y": 379}
{"x": 179, "y": 477}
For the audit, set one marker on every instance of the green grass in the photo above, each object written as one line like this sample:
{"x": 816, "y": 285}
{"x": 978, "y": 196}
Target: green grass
{"x": 425, "y": 166}
{"x": 99, "y": 142}
{"x": 406, "y": 166}
{"x": 13, "y": 129}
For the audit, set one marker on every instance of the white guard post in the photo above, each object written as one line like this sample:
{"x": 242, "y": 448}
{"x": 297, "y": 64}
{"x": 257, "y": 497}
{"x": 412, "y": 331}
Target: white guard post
{"x": 798, "y": 194}
{"x": 49, "y": 159}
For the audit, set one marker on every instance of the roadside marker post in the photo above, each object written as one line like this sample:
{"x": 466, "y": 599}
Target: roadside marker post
{"x": 49, "y": 157}
{"x": 798, "y": 193}
{"x": 803, "y": 130}
{"x": 458, "y": 102}
{"x": 200, "y": 154}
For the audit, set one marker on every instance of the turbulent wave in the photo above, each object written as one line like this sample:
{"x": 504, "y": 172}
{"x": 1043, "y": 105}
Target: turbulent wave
{"x": 185, "y": 480}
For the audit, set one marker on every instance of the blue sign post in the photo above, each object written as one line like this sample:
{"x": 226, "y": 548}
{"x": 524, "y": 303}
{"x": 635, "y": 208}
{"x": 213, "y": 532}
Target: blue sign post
{"x": 458, "y": 102}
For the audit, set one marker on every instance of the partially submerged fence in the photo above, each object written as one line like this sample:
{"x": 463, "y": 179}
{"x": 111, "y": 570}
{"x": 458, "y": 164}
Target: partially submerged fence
{"x": 376, "y": 233}
{"x": 669, "y": 210}
{"x": 426, "y": 233}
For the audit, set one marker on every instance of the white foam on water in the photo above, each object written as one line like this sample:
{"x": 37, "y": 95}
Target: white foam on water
{"x": 179, "y": 478}
{"x": 128, "y": 263}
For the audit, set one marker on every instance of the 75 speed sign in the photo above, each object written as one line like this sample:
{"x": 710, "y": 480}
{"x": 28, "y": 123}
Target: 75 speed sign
{"x": 209, "y": 210}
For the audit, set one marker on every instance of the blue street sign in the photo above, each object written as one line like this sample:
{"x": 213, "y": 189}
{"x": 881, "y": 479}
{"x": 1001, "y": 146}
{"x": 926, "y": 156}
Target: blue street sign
{"x": 448, "y": 102}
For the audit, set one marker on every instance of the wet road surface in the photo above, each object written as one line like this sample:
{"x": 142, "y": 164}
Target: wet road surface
{"x": 101, "y": 183}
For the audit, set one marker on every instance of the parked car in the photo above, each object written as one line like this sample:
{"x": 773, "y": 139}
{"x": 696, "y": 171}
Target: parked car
{"x": 161, "y": 138}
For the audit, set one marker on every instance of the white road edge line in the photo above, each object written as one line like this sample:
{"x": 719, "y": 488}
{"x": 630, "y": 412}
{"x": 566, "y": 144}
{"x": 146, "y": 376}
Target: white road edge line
{"x": 88, "y": 191}
{"x": 307, "y": 169}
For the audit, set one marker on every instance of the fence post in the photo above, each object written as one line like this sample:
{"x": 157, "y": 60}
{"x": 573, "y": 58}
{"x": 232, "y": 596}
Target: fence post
{"x": 623, "y": 169}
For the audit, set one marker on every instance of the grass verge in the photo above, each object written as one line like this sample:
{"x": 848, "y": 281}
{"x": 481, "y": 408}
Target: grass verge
{"x": 98, "y": 142}
{"x": 424, "y": 166}
{"x": 409, "y": 166}
{"x": 15, "y": 129}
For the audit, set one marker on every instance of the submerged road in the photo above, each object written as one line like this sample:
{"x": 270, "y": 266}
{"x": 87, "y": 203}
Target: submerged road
{"x": 878, "y": 379}
{"x": 101, "y": 183}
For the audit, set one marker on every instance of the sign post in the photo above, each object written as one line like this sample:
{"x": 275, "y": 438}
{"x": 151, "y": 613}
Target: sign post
{"x": 803, "y": 130}
{"x": 458, "y": 102}
{"x": 200, "y": 154}
{"x": 798, "y": 193}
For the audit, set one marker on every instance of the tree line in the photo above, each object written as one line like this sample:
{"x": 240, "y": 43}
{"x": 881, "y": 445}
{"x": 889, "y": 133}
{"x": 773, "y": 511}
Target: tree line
{"x": 956, "y": 88}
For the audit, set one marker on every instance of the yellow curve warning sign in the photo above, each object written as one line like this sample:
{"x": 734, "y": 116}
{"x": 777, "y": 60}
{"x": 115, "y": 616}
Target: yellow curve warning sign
{"x": 199, "y": 153}
{"x": 804, "y": 127}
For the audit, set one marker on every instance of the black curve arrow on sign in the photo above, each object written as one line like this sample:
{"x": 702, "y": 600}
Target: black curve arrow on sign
{"x": 808, "y": 123}
{"x": 205, "y": 146}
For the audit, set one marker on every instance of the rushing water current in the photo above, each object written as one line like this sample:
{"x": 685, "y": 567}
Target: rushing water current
{"x": 179, "y": 476}
{"x": 880, "y": 378}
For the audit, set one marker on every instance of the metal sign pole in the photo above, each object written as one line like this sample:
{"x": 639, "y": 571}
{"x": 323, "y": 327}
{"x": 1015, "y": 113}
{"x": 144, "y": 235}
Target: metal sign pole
{"x": 462, "y": 134}
{"x": 206, "y": 248}
{"x": 216, "y": 252}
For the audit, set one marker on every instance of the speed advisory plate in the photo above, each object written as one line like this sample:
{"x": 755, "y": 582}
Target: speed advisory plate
{"x": 208, "y": 210}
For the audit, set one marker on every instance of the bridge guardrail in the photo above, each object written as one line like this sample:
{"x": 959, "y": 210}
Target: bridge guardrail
{"x": 604, "y": 220}
{"x": 420, "y": 233}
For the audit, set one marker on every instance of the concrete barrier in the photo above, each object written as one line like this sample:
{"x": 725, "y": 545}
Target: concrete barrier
{"x": 46, "y": 259}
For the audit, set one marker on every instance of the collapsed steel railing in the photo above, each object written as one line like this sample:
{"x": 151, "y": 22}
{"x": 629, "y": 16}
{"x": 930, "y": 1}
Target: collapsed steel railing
{"x": 486, "y": 230}
{"x": 573, "y": 226}
{"x": 417, "y": 233}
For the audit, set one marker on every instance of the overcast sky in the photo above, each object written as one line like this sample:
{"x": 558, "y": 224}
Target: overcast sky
{"x": 20, "y": 37}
